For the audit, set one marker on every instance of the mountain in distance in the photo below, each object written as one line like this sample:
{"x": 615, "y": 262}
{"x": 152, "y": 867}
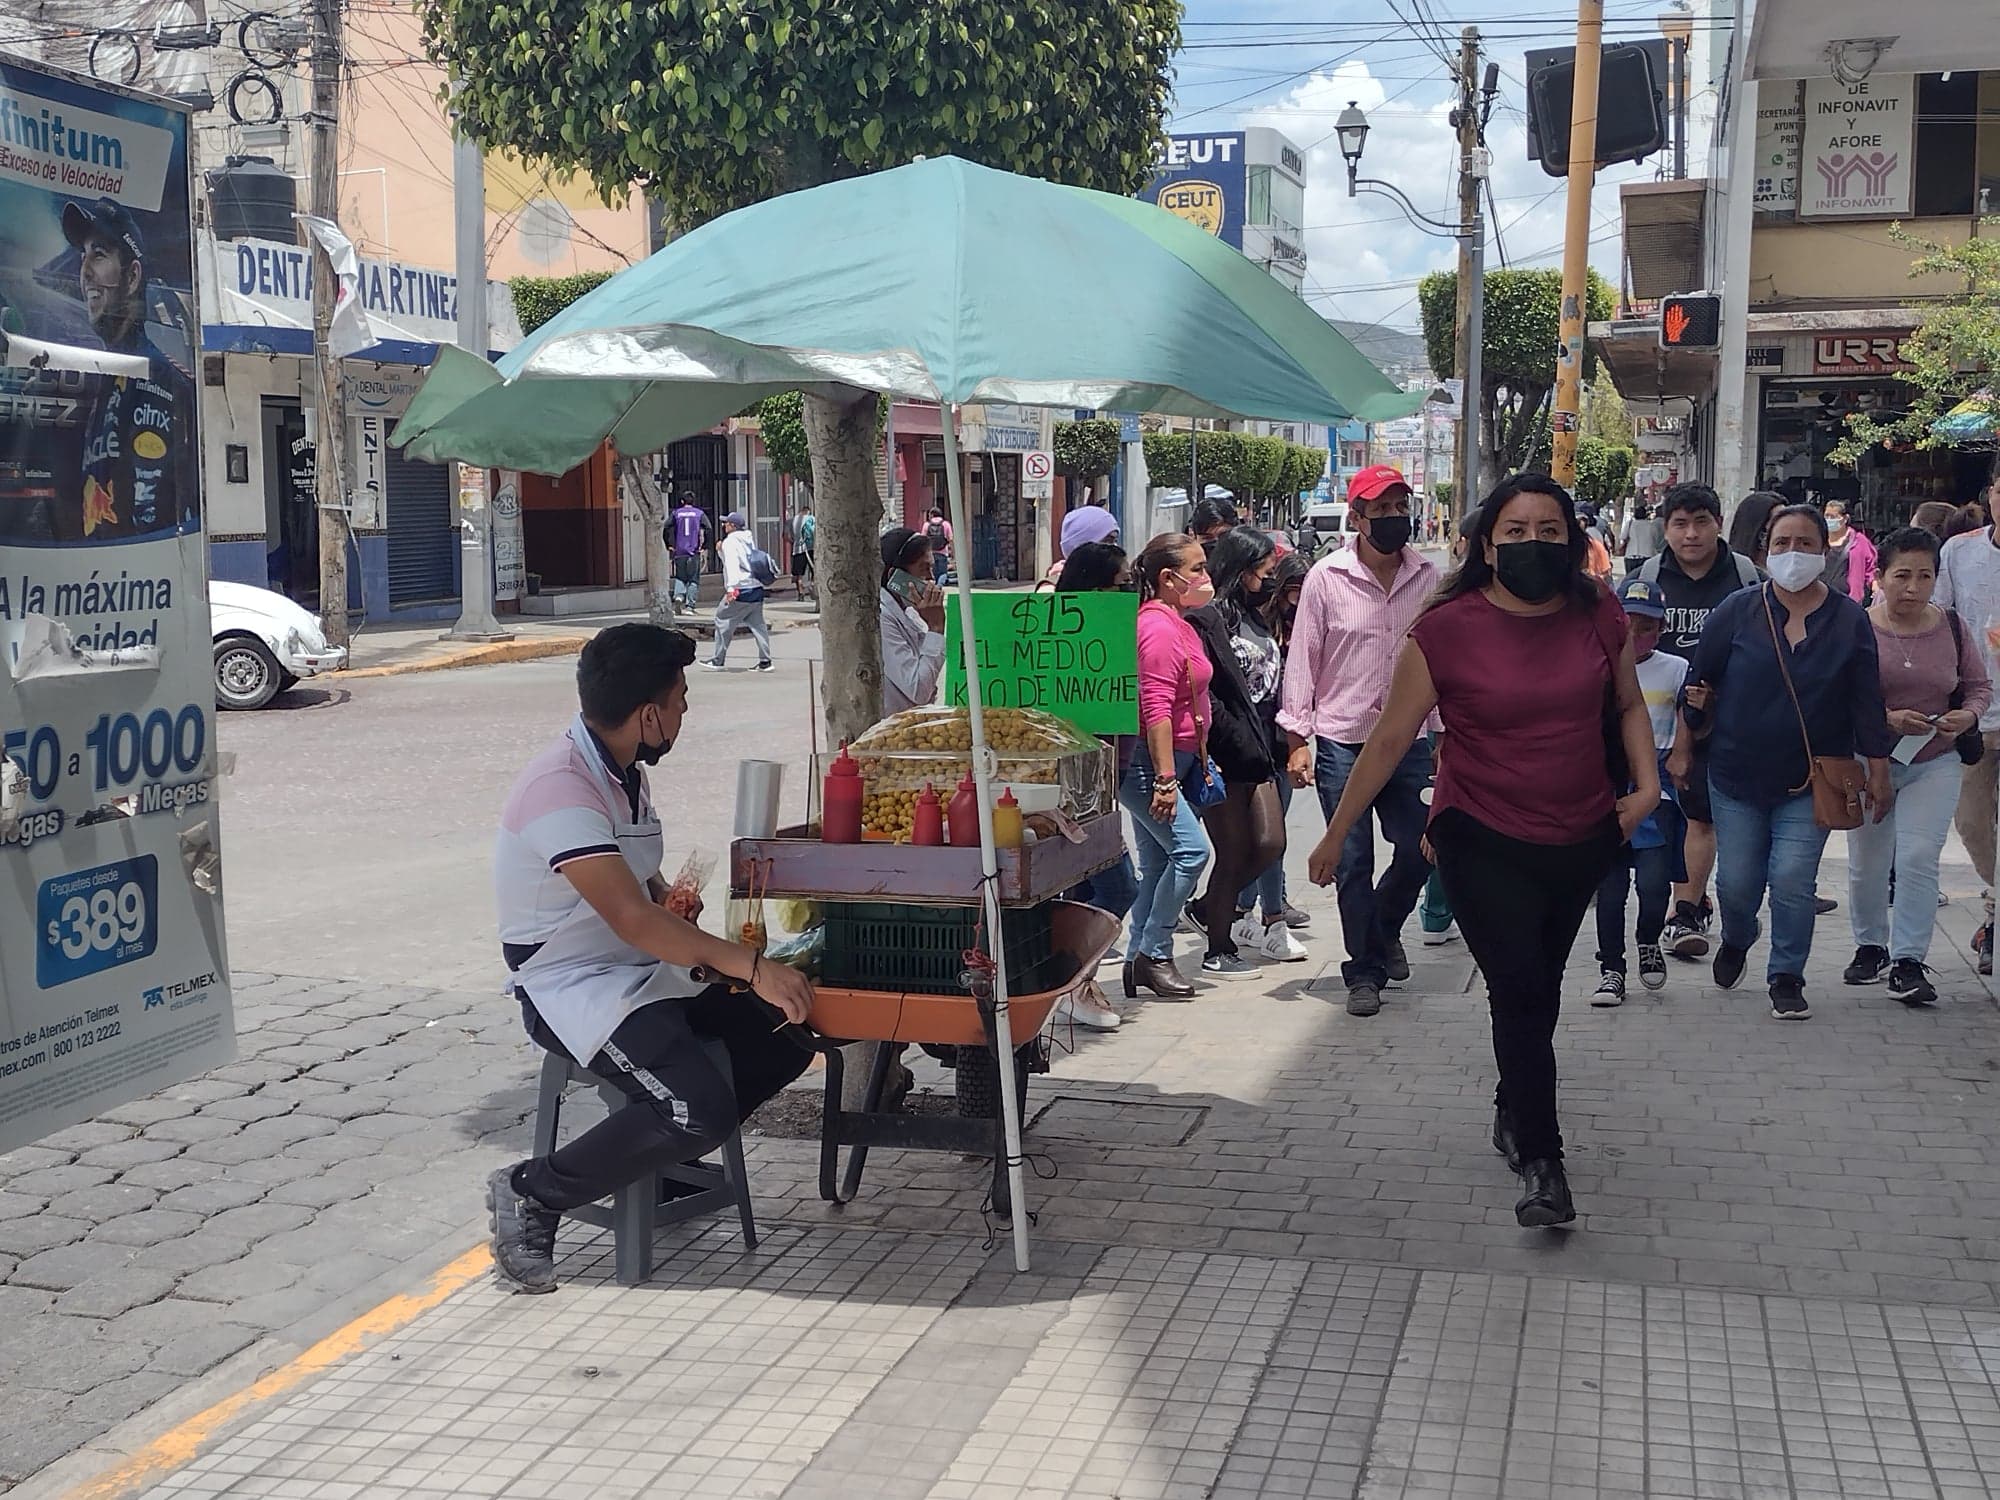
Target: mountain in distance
{"x": 1397, "y": 352}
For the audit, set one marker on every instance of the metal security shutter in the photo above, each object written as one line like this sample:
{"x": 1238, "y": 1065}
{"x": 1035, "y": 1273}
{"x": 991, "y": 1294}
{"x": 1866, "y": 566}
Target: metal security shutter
{"x": 423, "y": 544}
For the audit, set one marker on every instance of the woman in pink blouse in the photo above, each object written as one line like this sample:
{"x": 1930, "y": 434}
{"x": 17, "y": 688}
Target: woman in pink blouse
{"x": 1935, "y": 686}
{"x": 1174, "y": 674}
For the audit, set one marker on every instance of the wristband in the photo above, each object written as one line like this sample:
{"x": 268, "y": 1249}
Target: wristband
{"x": 1166, "y": 784}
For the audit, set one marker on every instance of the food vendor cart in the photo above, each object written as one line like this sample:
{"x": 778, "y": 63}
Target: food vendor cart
{"x": 897, "y": 934}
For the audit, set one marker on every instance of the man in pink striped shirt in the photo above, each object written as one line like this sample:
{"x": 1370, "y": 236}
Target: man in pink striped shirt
{"x": 1354, "y": 611}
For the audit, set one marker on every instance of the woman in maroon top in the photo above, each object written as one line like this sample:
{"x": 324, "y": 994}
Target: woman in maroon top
{"x": 1521, "y": 653}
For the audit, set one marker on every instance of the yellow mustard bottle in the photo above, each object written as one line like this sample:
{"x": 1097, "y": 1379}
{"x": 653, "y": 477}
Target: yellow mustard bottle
{"x": 1007, "y": 821}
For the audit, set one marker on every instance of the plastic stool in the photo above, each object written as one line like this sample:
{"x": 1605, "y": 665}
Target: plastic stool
{"x": 638, "y": 1211}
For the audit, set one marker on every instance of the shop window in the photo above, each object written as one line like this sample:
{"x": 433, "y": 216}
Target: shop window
{"x": 1947, "y": 143}
{"x": 1988, "y": 192}
{"x": 1288, "y": 203}
{"x": 1257, "y": 196}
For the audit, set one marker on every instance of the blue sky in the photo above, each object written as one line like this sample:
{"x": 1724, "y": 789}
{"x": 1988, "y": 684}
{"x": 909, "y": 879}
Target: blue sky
{"x": 1294, "y": 65}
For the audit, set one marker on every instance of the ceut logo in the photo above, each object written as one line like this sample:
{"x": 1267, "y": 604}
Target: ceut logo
{"x": 1200, "y": 203}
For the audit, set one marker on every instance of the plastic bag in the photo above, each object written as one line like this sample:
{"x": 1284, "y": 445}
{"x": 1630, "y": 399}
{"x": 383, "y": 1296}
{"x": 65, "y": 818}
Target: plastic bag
{"x": 684, "y": 894}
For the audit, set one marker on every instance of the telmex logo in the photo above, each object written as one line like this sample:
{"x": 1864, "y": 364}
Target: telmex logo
{"x": 1200, "y": 203}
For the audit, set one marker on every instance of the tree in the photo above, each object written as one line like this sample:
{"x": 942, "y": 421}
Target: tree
{"x": 1953, "y": 353}
{"x": 1518, "y": 374}
{"x": 539, "y": 298}
{"x": 1603, "y": 473}
{"x": 1086, "y": 450}
{"x": 781, "y": 423}
{"x": 1605, "y": 416}
{"x": 710, "y": 105}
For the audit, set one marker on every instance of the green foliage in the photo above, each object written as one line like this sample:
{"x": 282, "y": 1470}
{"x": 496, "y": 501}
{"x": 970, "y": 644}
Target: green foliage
{"x": 1605, "y": 416}
{"x": 1442, "y": 492}
{"x": 1303, "y": 468}
{"x": 1954, "y": 352}
{"x": 783, "y": 428}
{"x": 1603, "y": 473}
{"x": 714, "y": 104}
{"x": 1263, "y": 467}
{"x": 1088, "y": 449}
{"x": 1166, "y": 459}
{"x": 539, "y": 298}
{"x": 1241, "y": 464}
{"x": 1523, "y": 325}
{"x": 781, "y": 422}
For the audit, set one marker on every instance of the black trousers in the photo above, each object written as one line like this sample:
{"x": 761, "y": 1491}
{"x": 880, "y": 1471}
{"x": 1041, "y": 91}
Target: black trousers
{"x": 1519, "y": 907}
{"x": 1652, "y": 870}
{"x": 682, "y": 1107}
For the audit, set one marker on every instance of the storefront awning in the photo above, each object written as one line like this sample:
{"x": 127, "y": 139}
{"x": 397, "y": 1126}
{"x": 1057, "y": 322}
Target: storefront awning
{"x": 1800, "y": 38}
{"x": 256, "y": 298}
{"x": 1663, "y": 236}
{"x": 1642, "y": 370}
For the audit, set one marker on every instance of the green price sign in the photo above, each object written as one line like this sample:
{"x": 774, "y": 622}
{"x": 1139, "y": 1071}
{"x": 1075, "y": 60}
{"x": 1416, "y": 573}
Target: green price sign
{"x": 1072, "y": 655}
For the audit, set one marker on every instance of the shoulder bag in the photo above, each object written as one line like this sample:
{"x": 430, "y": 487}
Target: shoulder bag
{"x": 1836, "y": 781}
{"x": 1971, "y": 745}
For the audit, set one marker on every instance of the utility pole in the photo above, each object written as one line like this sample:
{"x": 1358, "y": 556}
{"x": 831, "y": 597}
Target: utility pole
{"x": 1565, "y": 418}
{"x": 1471, "y": 274}
{"x": 475, "y": 515}
{"x": 330, "y": 404}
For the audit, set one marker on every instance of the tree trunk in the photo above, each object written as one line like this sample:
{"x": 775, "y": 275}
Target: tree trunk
{"x": 848, "y": 558}
{"x": 659, "y": 567}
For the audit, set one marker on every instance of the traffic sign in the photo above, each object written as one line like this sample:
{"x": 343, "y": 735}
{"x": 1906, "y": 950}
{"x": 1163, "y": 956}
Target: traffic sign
{"x": 1038, "y": 469}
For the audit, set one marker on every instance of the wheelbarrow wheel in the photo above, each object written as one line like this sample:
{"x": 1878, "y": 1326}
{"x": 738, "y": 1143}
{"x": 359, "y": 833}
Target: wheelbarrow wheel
{"x": 978, "y": 1074}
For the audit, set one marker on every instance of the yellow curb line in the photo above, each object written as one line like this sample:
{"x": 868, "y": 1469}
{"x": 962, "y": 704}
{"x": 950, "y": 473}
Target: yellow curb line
{"x": 179, "y": 1444}
{"x": 475, "y": 656}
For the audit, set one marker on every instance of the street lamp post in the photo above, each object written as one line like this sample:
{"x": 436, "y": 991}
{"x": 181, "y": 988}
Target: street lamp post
{"x": 1352, "y": 128}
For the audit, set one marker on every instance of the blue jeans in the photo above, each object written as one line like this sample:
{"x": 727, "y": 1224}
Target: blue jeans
{"x": 1776, "y": 848}
{"x": 1268, "y": 890}
{"x": 1908, "y": 841}
{"x": 1172, "y": 856}
{"x": 1371, "y": 914}
{"x": 1113, "y": 890}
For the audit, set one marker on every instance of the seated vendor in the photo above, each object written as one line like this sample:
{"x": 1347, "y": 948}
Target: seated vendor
{"x": 605, "y": 972}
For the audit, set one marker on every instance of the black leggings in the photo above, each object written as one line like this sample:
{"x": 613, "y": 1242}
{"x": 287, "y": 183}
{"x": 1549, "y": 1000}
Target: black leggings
{"x": 1247, "y": 828}
{"x": 682, "y": 1107}
{"x": 1519, "y": 906}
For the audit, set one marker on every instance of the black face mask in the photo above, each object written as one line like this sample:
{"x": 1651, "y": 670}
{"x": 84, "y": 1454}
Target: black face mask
{"x": 1532, "y": 571}
{"x": 1389, "y": 534}
{"x": 651, "y": 755}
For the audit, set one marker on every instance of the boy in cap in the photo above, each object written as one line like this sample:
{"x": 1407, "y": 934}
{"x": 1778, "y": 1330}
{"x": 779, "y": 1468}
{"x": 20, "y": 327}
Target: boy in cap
{"x": 742, "y": 606}
{"x": 1654, "y": 851}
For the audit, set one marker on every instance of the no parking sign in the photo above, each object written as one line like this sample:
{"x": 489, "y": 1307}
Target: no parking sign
{"x": 1038, "y": 471}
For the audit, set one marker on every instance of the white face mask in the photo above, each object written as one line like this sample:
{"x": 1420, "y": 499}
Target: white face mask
{"x": 1793, "y": 571}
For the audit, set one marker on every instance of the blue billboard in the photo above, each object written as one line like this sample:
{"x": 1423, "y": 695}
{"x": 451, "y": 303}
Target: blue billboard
{"x": 1200, "y": 178}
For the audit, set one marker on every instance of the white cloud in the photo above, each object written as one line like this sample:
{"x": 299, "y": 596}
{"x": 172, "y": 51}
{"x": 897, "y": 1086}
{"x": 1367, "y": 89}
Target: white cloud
{"x": 1363, "y": 242}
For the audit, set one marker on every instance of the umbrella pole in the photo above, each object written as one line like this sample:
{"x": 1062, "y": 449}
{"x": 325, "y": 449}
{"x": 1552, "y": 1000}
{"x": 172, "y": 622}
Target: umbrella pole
{"x": 989, "y": 858}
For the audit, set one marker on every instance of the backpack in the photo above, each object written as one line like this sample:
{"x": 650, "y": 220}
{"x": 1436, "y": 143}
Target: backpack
{"x": 1747, "y": 576}
{"x": 937, "y": 536}
{"x": 761, "y": 567}
{"x": 808, "y": 529}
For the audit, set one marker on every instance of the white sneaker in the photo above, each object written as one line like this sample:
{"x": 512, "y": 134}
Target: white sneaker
{"x": 1248, "y": 933}
{"x": 1439, "y": 939}
{"x": 1278, "y": 946}
{"x": 1087, "y": 1007}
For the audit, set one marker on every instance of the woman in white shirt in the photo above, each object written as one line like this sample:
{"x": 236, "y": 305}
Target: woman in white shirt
{"x": 912, "y": 622}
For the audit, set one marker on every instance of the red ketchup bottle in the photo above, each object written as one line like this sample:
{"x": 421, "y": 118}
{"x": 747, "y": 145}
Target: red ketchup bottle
{"x": 840, "y": 801}
{"x": 927, "y": 822}
{"x": 964, "y": 815}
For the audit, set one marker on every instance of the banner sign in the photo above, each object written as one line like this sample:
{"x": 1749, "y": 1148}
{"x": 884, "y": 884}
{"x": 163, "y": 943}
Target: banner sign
{"x": 1857, "y": 149}
{"x": 1780, "y": 122}
{"x": 1201, "y": 179}
{"x": 114, "y": 981}
{"x": 1072, "y": 655}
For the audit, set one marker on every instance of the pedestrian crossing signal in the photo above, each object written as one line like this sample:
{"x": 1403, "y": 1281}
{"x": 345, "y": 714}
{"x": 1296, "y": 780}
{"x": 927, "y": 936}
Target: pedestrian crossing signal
{"x": 1691, "y": 323}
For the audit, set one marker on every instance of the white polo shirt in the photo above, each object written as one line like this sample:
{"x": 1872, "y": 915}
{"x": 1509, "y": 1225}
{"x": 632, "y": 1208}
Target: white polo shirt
{"x": 570, "y": 803}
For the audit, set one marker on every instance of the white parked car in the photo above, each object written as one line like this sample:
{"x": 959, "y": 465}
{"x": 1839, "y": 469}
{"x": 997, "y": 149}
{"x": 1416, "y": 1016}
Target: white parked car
{"x": 264, "y": 643}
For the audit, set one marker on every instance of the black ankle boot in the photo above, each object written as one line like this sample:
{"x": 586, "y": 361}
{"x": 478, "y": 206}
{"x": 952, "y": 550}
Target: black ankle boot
{"x": 1547, "y": 1201}
{"x": 1503, "y": 1138}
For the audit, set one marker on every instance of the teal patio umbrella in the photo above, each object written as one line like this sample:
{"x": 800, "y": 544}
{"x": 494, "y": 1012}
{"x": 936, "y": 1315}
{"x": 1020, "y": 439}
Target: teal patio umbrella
{"x": 940, "y": 281}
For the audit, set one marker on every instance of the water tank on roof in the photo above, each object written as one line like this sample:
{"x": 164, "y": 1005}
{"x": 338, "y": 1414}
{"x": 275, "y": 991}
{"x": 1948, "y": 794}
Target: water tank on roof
{"x": 252, "y": 199}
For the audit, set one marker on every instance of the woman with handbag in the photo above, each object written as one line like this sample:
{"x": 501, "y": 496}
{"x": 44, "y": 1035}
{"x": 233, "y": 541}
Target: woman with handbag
{"x": 1786, "y": 686}
{"x": 1247, "y": 827}
{"x": 1525, "y": 658}
{"x": 1171, "y": 778}
{"x": 1935, "y": 685}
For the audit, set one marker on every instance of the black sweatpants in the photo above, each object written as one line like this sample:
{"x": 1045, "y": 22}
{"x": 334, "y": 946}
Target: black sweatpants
{"x": 1519, "y": 906}
{"x": 682, "y": 1106}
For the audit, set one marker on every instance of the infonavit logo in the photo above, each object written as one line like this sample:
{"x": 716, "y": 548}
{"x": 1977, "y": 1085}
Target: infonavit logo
{"x": 1858, "y": 176}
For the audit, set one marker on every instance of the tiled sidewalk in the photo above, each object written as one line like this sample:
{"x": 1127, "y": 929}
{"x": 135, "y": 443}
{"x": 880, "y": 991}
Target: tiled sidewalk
{"x": 915, "y": 1367}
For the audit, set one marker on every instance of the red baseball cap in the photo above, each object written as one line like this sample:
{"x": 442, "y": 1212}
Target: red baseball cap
{"x": 1374, "y": 481}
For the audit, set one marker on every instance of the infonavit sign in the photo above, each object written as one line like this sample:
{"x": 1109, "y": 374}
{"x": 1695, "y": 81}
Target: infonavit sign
{"x": 1857, "y": 148}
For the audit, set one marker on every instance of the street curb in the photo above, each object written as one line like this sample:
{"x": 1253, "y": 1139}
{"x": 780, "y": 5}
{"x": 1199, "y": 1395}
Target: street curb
{"x": 475, "y": 656}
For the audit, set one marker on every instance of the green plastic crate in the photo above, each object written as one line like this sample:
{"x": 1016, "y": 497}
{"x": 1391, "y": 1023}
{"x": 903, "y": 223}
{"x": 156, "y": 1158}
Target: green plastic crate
{"x": 872, "y": 945}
